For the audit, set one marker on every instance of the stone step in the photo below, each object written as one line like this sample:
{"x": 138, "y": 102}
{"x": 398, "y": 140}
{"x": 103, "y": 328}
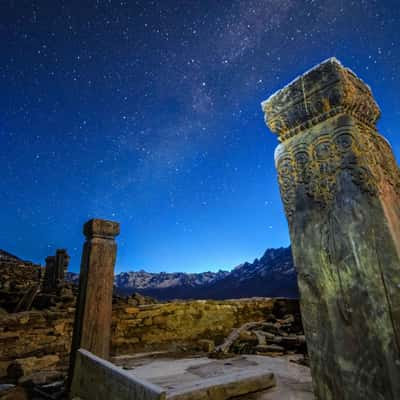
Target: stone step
{"x": 225, "y": 386}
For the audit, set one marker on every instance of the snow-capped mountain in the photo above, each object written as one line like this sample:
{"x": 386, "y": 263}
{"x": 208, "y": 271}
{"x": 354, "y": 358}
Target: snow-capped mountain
{"x": 272, "y": 275}
{"x": 145, "y": 280}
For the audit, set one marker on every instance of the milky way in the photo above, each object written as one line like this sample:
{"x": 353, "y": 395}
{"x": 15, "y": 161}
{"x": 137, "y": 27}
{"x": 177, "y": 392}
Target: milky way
{"x": 148, "y": 113}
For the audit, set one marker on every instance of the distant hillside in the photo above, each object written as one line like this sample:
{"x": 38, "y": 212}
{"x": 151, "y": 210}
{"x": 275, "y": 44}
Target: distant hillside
{"x": 5, "y": 256}
{"x": 273, "y": 275}
{"x": 16, "y": 277}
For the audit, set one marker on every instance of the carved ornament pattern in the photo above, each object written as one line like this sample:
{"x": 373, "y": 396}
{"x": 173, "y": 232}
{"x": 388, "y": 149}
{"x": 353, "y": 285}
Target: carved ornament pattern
{"x": 314, "y": 166}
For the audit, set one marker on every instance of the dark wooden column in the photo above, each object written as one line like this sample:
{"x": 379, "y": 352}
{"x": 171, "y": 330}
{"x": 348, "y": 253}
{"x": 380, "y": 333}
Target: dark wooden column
{"x": 92, "y": 327}
{"x": 340, "y": 186}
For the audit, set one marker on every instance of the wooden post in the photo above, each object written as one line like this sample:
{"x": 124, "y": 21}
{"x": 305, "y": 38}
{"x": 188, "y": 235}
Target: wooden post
{"x": 92, "y": 329}
{"x": 340, "y": 186}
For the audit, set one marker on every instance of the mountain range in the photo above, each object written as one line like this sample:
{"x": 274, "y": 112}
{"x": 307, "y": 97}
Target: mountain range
{"x": 272, "y": 275}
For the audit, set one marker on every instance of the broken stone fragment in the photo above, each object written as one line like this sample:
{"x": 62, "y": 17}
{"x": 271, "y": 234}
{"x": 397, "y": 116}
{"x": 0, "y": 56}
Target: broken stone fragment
{"x": 270, "y": 348}
{"x": 206, "y": 345}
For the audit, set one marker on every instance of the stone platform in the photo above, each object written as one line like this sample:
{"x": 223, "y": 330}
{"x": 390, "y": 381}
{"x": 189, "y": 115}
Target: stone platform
{"x": 245, "y": 377}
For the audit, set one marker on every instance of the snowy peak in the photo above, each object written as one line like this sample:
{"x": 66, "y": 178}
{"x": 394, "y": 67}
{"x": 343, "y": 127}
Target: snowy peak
{"x": 272, "y": 275}
{"x": 147, "y": 280}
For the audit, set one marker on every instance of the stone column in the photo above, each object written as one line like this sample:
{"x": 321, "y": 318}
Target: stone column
{"x": 49, "y": 274}
{"x": 340, "y": 186}
{"x": 92, "y": 329}
{"x": 61, "y": 265}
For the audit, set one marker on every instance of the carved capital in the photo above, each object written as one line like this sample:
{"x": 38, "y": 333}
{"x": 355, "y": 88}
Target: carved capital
{"x": 100, "y": 228}
{"x": 313, "y": 164}
{"x": 325, "y": 91}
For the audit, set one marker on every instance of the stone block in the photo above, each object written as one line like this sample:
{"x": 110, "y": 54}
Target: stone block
{"x": 26, "y": 366}
{"x": 206, "y": 345}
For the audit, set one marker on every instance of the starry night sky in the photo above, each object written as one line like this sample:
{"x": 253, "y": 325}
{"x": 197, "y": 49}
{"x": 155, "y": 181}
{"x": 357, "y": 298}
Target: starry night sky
{"x": 148, "y": 113}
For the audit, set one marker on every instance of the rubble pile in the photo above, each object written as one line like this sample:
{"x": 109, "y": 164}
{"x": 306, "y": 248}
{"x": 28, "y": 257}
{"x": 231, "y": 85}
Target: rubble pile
{"x": 17, "y": 277}
{"x": 274, "y": 337}
{"x": 281, "y": 333}
{"x": 135, "y": 300}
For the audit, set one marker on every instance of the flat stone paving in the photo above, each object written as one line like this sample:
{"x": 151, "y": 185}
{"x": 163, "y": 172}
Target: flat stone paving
{"x": 293, "y": 380}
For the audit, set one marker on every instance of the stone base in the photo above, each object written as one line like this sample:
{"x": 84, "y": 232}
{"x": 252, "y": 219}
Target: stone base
{"x": 256, "y": 377}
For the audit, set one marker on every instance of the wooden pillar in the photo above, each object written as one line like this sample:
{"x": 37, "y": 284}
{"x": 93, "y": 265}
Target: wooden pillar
{"x": 92, "y": 327}
{"x": 340, "y": 186}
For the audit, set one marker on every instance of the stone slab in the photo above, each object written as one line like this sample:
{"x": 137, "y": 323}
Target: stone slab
{"x": 225, "y": 386}
{"x": 293, "y": 380}
{"x": 196, "y": 378}
{"x": 98, "y": 379}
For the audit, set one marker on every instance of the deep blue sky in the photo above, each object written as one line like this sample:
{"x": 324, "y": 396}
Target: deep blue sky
{"x": 148, "y": 113}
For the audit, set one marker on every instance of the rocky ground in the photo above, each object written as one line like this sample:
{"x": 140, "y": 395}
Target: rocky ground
{"x": 17, "y": 278}
{"x": 273, "y": 337}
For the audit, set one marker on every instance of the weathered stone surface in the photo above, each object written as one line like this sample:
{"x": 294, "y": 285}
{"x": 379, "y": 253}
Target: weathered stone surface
{"x": 183, "y": 324}
{"x": 340, "y": 186}
{"x": 96, "y": 378}
{"x": 26, "y": 366}
{"x": 100, "y": 228}
{"x": 16, "y": 278}
{"x": 22, "y": 288}
{"x": 35, "y": 334}
{"x": 199, "y": 378}
{"x": 224, "y": 387}
{"x": 92, "y": 329}
{"x": 206, "y": 345}
{"x": 321, "y": 93}
{"x": 293, "y": 380}
{"x": 178, "y": 325}
{"x": 263, "y": 337}
{"x": 56, "y": 267}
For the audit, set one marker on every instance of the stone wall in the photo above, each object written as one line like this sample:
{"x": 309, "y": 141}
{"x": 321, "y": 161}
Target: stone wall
{"x": 182, "y": 324}
{"x": 39, "y": 340}
{"x": 27, "y": 339}
{"x": 16, "y": 278}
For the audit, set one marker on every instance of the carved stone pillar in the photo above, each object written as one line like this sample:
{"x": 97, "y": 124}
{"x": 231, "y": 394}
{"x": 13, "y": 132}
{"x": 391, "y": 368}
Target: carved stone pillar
{"x": 340, "y": 186}
{"x": 92, "y": 329}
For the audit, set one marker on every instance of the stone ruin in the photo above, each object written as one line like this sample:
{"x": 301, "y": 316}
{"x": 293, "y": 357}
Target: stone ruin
{"x": 25, "y": 285}
{"x": 93, "y": 374}
{"x": 17, "y": 277}
{"x": 56, "y": 267}
{"x": 340, "y": 186}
